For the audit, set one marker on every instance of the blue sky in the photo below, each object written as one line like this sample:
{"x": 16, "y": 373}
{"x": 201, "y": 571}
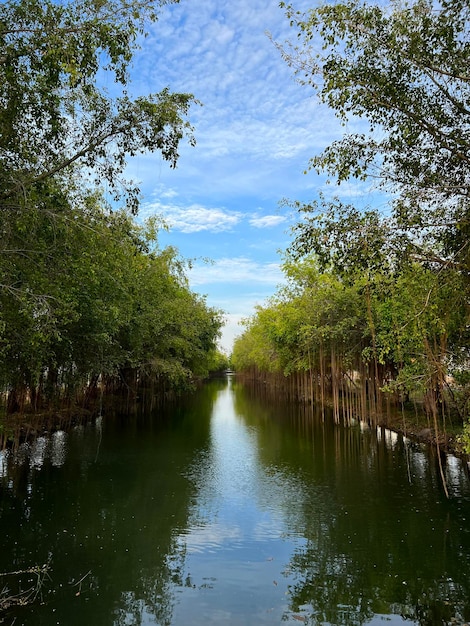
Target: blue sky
{"x": 256, "y": 131}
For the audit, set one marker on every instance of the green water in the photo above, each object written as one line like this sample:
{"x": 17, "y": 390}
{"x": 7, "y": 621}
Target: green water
{"x": 230, "y": 510}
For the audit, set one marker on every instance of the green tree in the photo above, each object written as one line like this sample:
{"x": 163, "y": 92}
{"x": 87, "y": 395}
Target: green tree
{"x": 57, "y": 115}
{"x": 171, "y": 333}
{"x": 84, "y": 291}
{"x": 113, "y": 304}
{"x": 403, "y": 70}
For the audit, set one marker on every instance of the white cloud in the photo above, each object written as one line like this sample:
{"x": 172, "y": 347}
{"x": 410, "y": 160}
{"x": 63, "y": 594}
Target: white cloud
{"x": 256, "y": 131}
{"x": 236, "y": 270}
{"x": 233, "y": 328}
{"x": 267, "y": 221}
{"x": 169, "y": 193}
{"x": 245, "y": 284}
{"x": 194, "y": 218}
{"x": 252, "y": 106}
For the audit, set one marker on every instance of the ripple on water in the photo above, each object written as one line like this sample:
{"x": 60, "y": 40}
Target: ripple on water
{"x": 210, "y": 537}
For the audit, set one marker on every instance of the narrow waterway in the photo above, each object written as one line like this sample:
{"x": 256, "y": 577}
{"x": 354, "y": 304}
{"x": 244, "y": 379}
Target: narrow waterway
{"x": 231, "y": 510}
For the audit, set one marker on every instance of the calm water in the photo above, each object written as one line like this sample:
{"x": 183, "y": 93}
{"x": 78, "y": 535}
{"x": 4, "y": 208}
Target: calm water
{"x": 233, "y": 511}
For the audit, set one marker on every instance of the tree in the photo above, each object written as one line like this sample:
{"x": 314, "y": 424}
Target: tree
{"x": 113, "y": 304}
{"x": 400, "y": 72}
{"x": 56, "y": 114}
{"x": 404, "y": 70}
{"x": 84, "y": 291}
{"x": 347, "y": 240}
{"x": 170, "y": 333}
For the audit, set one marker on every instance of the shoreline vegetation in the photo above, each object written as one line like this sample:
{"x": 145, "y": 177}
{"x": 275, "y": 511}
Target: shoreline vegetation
{"x": 375, "y": 312}
{"x": 376, "y": 307}
{"x": 406, "y": 418}
{"x": 86, "y": 406}
{"x": 90, "y": 302}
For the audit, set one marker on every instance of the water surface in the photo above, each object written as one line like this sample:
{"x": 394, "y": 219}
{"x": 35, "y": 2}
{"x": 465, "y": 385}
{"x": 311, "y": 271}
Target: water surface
{"x": 231, "y": 510}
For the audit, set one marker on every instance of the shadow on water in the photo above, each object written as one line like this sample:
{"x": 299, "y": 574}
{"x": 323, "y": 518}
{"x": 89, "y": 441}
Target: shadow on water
{"x": 228, "y": 509}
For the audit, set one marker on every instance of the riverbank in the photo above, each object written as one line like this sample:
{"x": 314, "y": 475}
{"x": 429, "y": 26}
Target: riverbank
{"x": 23, "y": 427}
{"x": 420, "y": 430}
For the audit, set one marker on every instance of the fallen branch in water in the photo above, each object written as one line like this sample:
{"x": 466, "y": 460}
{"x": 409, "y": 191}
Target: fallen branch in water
{"x": 22, "y": 598}
{"x": 79, "y": 583}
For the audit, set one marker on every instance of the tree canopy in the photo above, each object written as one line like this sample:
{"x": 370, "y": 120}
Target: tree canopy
{"x": 380, "y": 298}
{"x": 85, "y": 291}
{"x": 403, "y": 70}
{"x": 56, "y": 113}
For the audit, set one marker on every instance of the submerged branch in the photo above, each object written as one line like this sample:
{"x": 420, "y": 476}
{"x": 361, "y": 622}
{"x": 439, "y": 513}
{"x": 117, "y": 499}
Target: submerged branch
{"x": 23, "y": 598}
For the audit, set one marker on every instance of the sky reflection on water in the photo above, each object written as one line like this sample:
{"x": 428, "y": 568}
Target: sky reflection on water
{"x": 232, "y": 510}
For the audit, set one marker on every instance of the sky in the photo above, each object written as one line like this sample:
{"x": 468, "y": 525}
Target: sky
{"x": 256, "y": 130}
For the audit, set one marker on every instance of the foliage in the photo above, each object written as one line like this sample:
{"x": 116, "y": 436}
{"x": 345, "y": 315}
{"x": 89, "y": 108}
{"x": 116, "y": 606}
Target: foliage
{"x": 394, "y": 332}
{"x": 99, "y": 298}
{"x": 218, "y": 362}
{"x": 388, "y": 296}
{"x": 350, "y": 241}
{"x": 85, "y": 292}
{"x": 253, "y": 348}
{"x": 304, "y": 321}
{"x": 403, "y": 70}
{"x": 57, "y": 115}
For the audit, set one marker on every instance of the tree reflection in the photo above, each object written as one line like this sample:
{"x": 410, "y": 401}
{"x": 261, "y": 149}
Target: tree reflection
{"x": 113, "y": 507}
{"x": 376, "y": 542}
{"x": 153, "y": 597}
{"x": 281, "y": 513}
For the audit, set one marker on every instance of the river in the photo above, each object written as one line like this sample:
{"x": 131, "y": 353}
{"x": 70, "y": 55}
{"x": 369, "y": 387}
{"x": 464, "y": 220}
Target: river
{"x": 231, "y": 510}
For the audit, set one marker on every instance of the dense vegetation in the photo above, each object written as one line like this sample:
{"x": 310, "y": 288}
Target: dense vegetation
{"x": 377, "y": 303}
{"x": 86, "y": 294}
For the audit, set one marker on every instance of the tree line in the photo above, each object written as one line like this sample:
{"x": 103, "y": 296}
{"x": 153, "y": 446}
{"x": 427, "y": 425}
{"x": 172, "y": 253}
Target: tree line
{"x": 377, "y": 303}
{"x": 87, "y": 295}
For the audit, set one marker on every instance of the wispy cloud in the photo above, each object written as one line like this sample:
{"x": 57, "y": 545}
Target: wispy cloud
{"x": 256, "y": 131}
{"x": 253, "y": 112}
{"x": 236, "y": 270}
{"x": 237, "y": 286}
{"x": 267, "y": 221}
{"x": 194, "y": 218}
